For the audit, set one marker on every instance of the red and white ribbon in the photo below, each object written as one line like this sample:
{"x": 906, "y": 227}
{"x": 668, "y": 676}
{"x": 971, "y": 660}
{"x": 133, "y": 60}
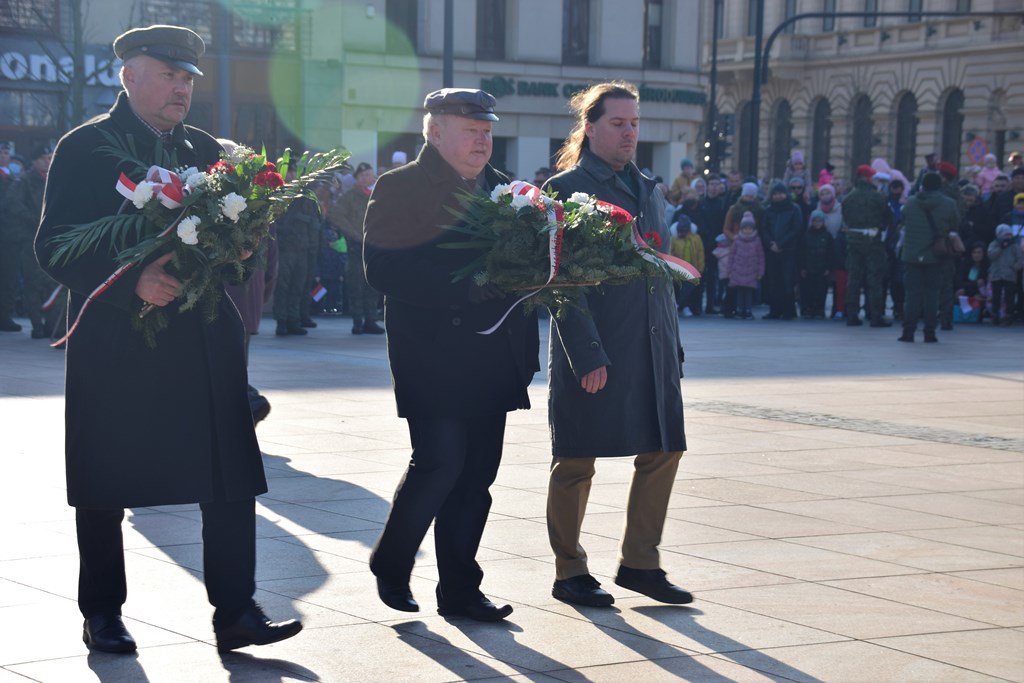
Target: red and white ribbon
{"x": 168, "y": 188}
{"x": 674, "y": 263}
{"x": 555, "y": 214}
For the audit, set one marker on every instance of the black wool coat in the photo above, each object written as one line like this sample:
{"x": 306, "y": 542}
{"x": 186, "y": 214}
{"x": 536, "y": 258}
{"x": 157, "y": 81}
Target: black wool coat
{"x": 631, "y": 328}
{"x": 440, "y": 365}
{"x": 143, "y": 426}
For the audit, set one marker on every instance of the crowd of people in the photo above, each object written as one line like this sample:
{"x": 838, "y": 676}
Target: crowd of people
{"x": 788, "y": 242}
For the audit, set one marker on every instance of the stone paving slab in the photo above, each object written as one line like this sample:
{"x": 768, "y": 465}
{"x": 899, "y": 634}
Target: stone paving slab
{"x": 850, "y": 509}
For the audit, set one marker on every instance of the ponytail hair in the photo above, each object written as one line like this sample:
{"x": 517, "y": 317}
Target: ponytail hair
{"x": 588, "y": 106}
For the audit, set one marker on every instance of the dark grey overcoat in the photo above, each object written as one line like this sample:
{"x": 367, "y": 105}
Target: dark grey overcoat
{"x": 440, "y": 365}
{"x": 631, "y": 328}
{"x": 143, "y": 426}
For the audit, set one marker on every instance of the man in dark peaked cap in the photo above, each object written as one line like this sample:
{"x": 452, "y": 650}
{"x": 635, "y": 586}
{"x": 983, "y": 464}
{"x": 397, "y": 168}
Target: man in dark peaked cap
{"x": 151, "y": 426}
{"x": 453, "y": 385}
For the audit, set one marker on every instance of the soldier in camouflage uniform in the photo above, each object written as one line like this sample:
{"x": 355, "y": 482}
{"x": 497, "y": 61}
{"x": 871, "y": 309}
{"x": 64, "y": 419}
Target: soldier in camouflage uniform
{"x": 866, "y": 215}
{"x": 347, "y": 215}
{"x": 294, "y": 230}
{"x": 947, "y": 276}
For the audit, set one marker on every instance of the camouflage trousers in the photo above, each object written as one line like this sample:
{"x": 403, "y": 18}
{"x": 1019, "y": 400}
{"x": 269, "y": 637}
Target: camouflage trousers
{"x": 866, "y": 268}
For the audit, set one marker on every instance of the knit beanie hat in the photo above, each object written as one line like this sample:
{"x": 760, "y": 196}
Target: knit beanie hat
{"x": 684, "y": 163}
{"x": 749, "y": 190}
{"x": 748, "y": 219}
{"x": 1003, "y": 229}
{"x": 1018, "y": 198}
{"x": 970, "y": 189}
{"x": 827, "y": 188}
{"x": 797, "y": 157}
{"x": 780, "y": 187}
{"x": 722, "y": 239}
{"x": 817, "y": 214}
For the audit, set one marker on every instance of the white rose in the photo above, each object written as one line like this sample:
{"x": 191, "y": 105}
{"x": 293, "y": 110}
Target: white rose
{"x": 521, "y": 200}
{"x": 588, "y": 209}
{"x": 193, "y": 177}
{"x": 580, "y": 198}
{"x": 232, "y": 205}
{"x": 498, "y": 191}
{"x": 188, "y": 230}
{"x": 143, "y": 193}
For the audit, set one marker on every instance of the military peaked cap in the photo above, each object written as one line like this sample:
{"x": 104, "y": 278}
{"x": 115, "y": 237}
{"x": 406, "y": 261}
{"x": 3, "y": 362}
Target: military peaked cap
{"x": 470, "y": 104}
{"x": 176, "y": 45}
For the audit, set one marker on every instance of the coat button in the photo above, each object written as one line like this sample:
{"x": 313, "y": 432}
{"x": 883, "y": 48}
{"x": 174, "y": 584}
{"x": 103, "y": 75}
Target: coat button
{"x": 456, "y": 321}
{"x": 654, "y": 330}
{"x": 595, "y": 345}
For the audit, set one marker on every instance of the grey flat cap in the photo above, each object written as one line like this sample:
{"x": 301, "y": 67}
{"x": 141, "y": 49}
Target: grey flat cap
{"x": 176, "y": 45}
{"x": 471, "y": 104}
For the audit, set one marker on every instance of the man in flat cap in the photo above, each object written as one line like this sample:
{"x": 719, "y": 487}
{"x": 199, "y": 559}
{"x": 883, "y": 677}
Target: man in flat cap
{"x": 866, "y": 217}
{"x": 151, "y": 426}
{"x": 453, "y": 385}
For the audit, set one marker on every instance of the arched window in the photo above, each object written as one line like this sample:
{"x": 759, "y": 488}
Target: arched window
{"x": 821, "y": 138}
{"x": 742, "y": 146}
{"x": 952, "y": 126}
{"x": 863, "y": 132}
{"x": 906, "y": 134}
{"x": 782, "y": 138}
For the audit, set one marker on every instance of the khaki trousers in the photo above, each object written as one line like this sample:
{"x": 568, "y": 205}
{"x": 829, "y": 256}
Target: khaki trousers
{"x": 649, "y": 491}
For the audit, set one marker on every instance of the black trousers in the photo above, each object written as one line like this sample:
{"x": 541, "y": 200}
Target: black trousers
{"x": 454, "y": 462}
{"x": 922, "y": 282}
{"x": 229, "y": 559}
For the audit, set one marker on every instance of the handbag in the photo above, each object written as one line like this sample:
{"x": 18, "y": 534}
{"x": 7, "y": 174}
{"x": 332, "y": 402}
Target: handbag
{"x": 944, "y": 246}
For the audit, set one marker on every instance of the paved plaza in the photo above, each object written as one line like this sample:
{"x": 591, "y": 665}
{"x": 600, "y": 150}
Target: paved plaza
{"x": 850, "y": 509}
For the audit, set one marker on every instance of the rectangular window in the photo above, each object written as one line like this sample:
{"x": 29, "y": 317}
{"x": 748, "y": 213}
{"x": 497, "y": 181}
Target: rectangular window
{"x": 871, "y": 7}
{"x": 915, "y": 11}
{"x": 29, "y": 108}
{"x": 575, "y": 31}
{"x": 403, "y": 26}
{"x": 720, "y": 27}
{"x": 196, "y": 14}
{"x": 963, "y": 6}
{"x": 490, "y": 29}
{"x": 828, "y": 24}
{"x": 652, "y": 36}
{"x": 29, "y": 15}
{"x": 752, "y": 6}
{"x": 790, "y": 13}
{"x": 266, "y": 25}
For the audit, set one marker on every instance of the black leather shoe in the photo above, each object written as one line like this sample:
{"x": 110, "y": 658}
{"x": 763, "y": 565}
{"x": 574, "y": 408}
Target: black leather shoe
{"x": 906, "y": 337}
{"x": 40, "y": 333}
{"x": 106, "y": 633}
{"x": 930, "y": 338}
{"x": 582, "y": 590}
{"x": 254, "y": 628}
{"x": 8, "y": 325}
{"x": 297, "y": 329}
{"x": 854, "y": 322}
{"x": 478, "y": 609}
{"x": 308, "y": 322}
{"x": 371, "y": 327}
{"x": 397, "y": 595}
{"x": 282, "y": 330}
{"x": 260, "y": 407}
{"x": 653, "y": 584}
{"x": 881, "y": 322}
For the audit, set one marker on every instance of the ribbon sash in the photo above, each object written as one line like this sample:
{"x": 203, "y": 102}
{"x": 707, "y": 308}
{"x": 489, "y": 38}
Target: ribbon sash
{"x": 168, "y": 188}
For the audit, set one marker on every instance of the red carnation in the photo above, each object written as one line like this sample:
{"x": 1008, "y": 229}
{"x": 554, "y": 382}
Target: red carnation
{"x": 617, "y": 213}
{"x": 269, "y": 166}
{"x": 269, "y": 179}
{"x": 652, "y": 238}
{"x": 222, "y": 167}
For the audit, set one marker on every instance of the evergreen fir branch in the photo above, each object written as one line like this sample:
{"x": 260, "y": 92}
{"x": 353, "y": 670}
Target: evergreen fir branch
{"x": 78, "y": 240}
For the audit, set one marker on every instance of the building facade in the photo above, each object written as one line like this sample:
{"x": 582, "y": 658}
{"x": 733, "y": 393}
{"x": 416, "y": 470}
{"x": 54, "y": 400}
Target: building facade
{"x": 850, "y": 89}
{"x": 318, "y": 73}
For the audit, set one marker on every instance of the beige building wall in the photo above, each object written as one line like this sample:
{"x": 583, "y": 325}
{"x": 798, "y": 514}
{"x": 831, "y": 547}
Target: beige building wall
{"x": 979, "y": 56}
